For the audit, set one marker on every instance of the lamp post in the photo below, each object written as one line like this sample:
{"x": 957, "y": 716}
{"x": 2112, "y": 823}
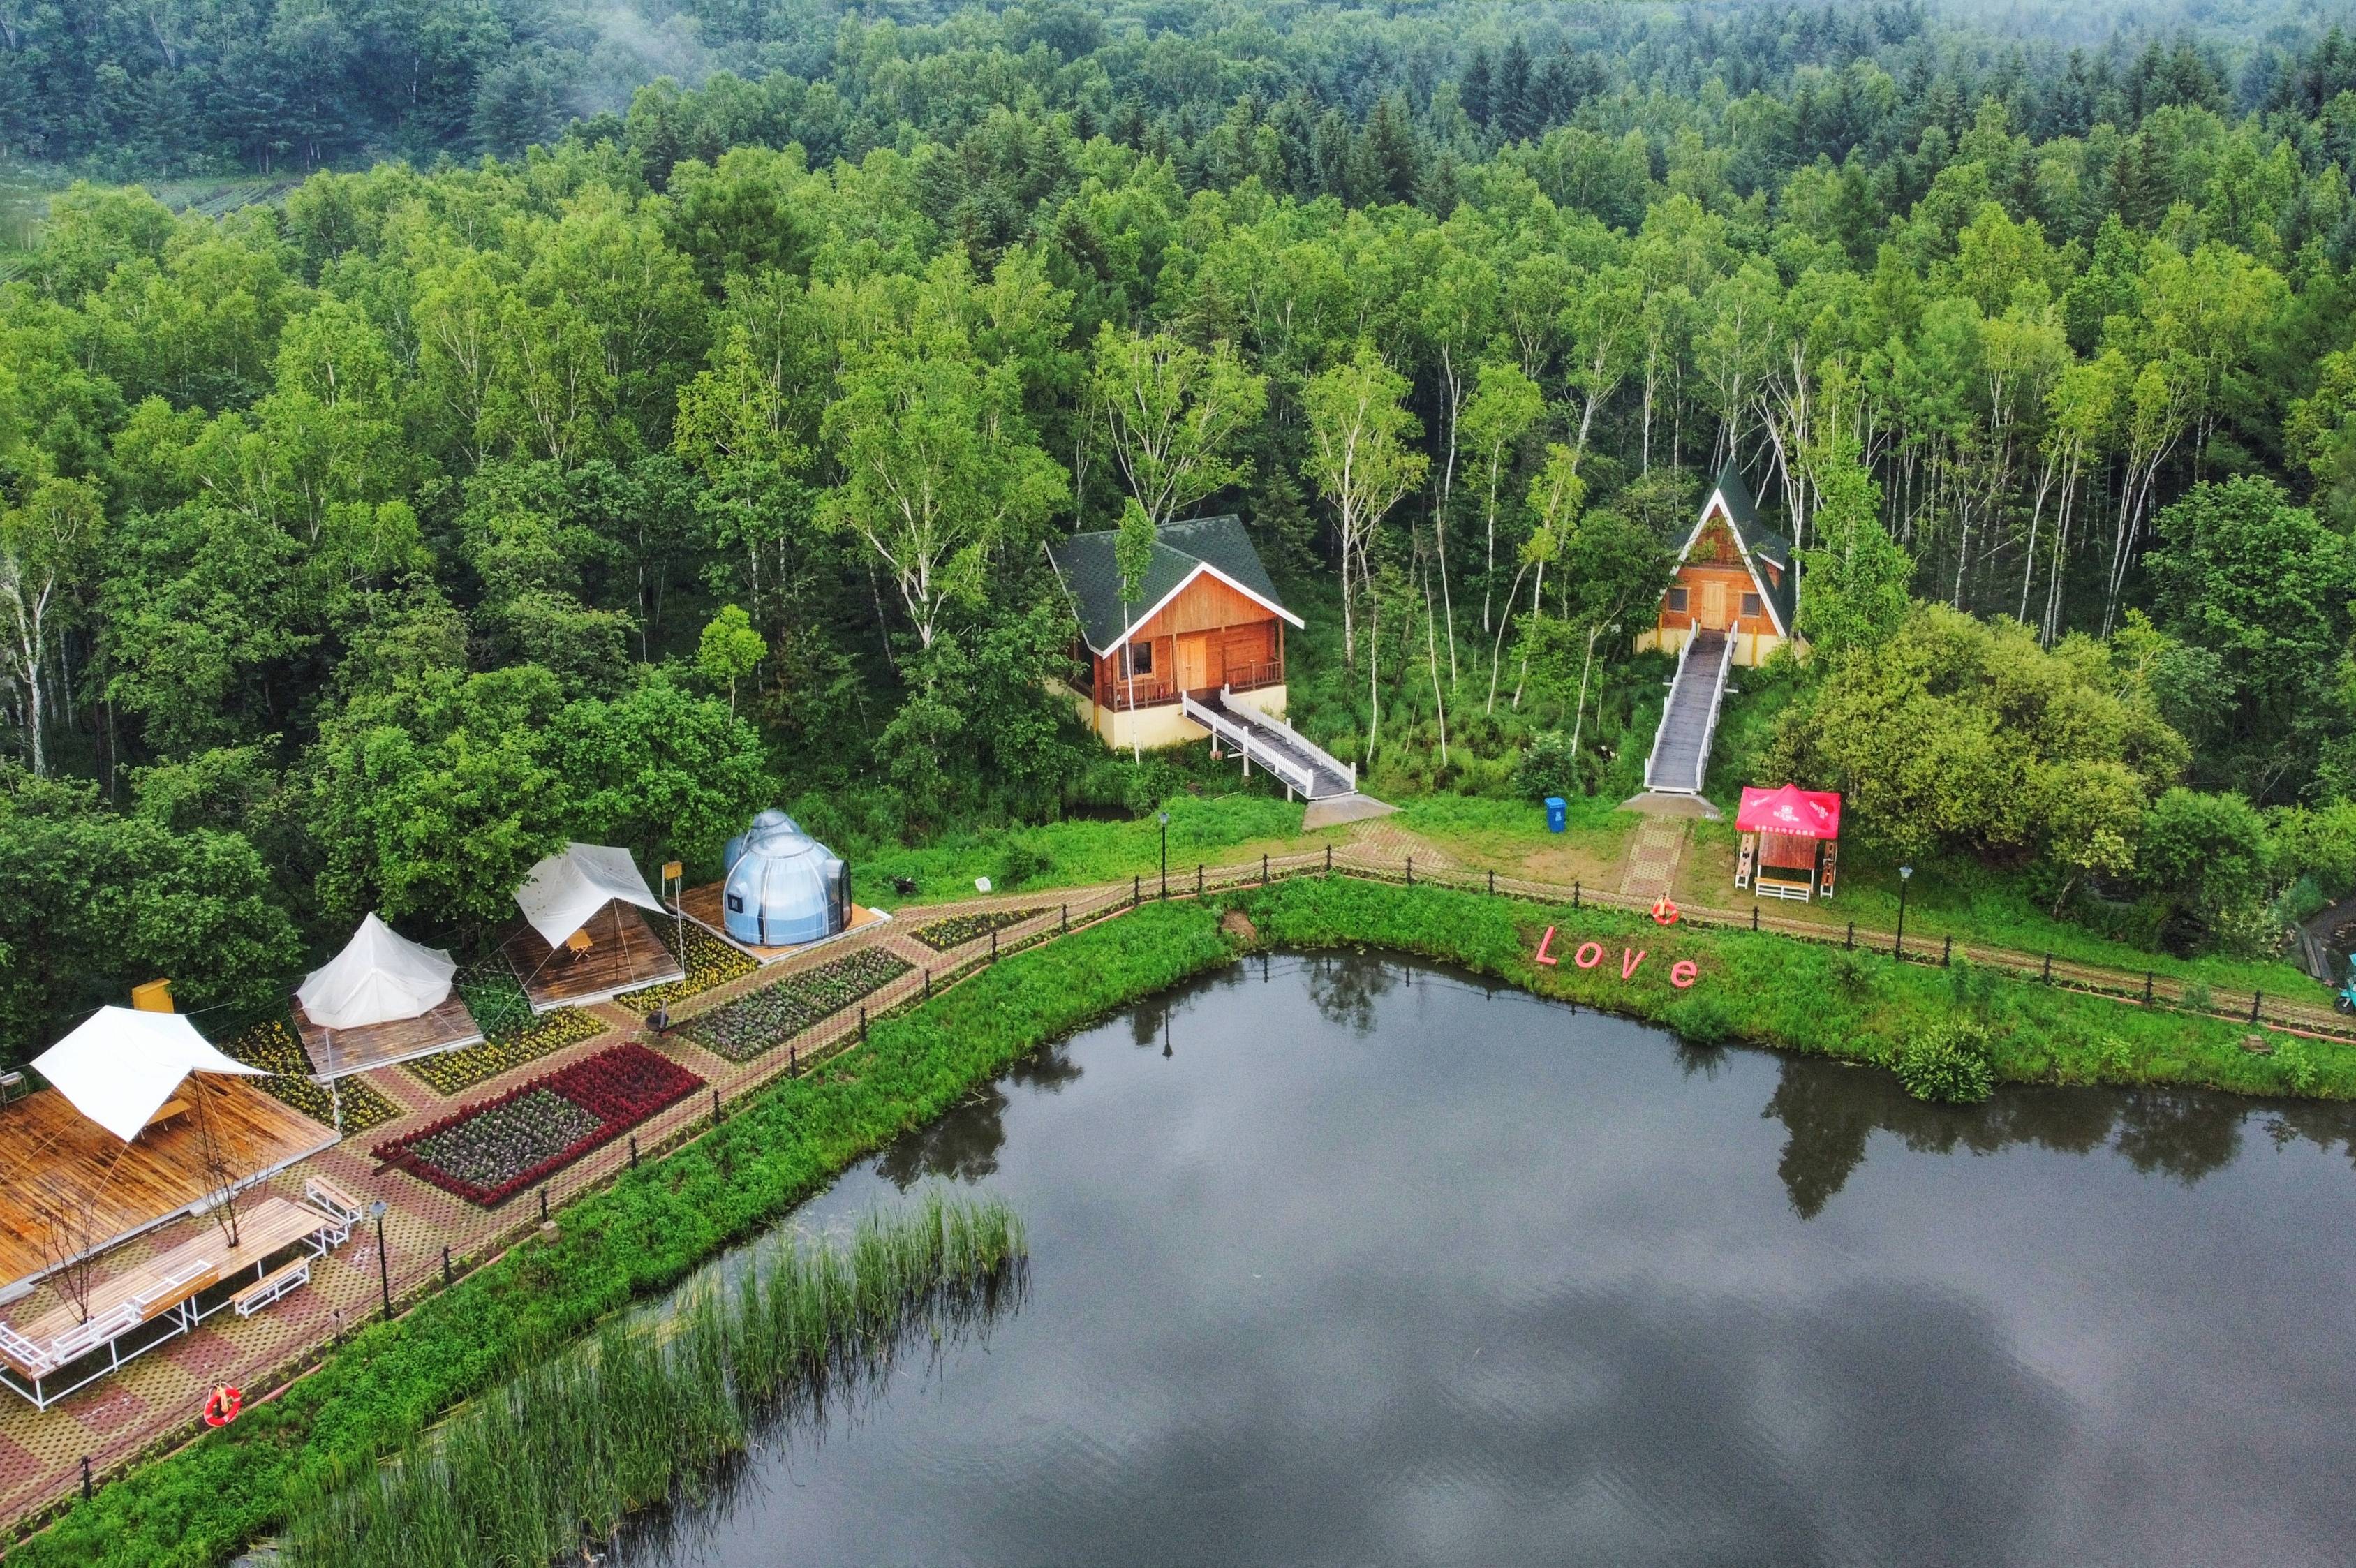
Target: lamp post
{"x": 383, "y": 1269}
{"x": 1165, "y": 855}
{"x": 1905, "y": 876}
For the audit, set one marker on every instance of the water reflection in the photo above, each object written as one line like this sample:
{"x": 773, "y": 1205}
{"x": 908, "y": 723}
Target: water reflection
{"x": 1830, "y": 1111}
{"x": 1380, "y": 1265}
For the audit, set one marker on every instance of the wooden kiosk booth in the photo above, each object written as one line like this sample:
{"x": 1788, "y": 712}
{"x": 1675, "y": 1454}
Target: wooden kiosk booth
{"x": 1789, "y": 840}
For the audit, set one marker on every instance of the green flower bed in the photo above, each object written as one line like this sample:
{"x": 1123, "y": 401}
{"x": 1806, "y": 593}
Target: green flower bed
{"x": 960, "y": 930}
{"x": 776, "y": 1013}
{"x": 205, "y": 1503}
{"x": 273, "y": 1045}
{"x": 708, "y": 961}
{"x": 453, "y": 1072}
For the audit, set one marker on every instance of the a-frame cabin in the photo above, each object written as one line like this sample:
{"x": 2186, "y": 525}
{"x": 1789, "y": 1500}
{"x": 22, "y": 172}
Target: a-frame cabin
{"x": 1733, "y": 577}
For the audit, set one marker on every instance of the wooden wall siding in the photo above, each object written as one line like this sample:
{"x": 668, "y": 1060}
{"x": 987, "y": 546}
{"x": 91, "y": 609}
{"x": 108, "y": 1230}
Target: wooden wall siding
{"x": 1693, "y": 575}
{"x": 1205, "y": 605}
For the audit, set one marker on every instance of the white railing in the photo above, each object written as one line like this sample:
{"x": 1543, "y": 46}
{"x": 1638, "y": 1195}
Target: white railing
{"x": 1261, "y": 715}
{"x": 1295, "y": 776}
{"x": 1716, "y": 701}
{"x": 1669, "y": 709}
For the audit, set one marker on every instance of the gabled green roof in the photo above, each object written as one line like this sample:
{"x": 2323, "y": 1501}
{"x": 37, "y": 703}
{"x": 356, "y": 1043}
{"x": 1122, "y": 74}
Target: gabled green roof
{"x": 1757, "y": 542}
{"x": 1083, "y": 562}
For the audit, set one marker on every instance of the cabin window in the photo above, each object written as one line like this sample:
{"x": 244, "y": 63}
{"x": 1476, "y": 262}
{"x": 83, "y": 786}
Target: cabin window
{"x": 1677, "y": 600}
{"x": 1136, "y": 658}
{"x": 1751, "y": 605}
{"x": 736, "y": 902}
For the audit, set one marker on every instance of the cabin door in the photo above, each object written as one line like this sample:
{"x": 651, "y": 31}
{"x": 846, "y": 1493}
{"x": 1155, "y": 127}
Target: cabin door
{"x": 1713, "y": 604}
{"x": 1193, "y": 661}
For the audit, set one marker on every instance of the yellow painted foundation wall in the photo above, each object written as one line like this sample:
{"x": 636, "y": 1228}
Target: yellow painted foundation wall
{"x": 1752, "y": 648}
{"x": 1151, "y": 729}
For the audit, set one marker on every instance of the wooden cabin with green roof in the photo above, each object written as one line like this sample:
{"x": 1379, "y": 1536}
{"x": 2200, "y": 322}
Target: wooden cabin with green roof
{"x": 1734, "y": 578}
{"x": 1204, "y": 622}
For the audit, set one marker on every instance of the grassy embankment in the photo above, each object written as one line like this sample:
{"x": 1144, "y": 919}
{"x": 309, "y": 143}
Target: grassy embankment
{"x": 654, "y": 1406}
{"x": 1480, "y": 832}
{"x": 380, "y": 1392}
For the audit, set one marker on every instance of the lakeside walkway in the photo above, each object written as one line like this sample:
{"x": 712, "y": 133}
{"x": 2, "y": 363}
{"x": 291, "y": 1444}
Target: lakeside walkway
{"x": 154, "y": 1404}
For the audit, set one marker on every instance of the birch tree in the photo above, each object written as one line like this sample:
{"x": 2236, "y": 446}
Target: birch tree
{"x": 1174, "y": 414}
{"x": 45, "y": 547}
{"x": 1359, "y": 431}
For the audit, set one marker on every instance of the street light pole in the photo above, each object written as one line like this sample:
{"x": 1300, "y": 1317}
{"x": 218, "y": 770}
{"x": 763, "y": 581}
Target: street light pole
{"x": 1165, "y": 855}
{"x": 383, "y": 1269}
{"x": 1905, "y": 876}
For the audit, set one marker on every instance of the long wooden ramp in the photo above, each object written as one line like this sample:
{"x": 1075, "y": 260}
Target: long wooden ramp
{"x": 1680, "y": 756}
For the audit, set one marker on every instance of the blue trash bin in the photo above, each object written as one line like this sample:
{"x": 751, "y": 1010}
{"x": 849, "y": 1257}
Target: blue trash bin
{"x": 1557, "y": 813}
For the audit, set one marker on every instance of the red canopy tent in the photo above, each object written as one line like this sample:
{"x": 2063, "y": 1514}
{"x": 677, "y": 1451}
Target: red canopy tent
{"x": 1788, "y": 836}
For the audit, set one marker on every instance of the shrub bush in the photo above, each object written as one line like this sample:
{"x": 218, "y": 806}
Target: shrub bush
{"x": 1948, "y": 1065}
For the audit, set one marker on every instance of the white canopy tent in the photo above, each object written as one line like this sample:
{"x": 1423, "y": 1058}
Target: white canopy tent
{"x": 119, "y": 1065}
{"x": 379, "y": 977}
{"x": 564, "y": 890}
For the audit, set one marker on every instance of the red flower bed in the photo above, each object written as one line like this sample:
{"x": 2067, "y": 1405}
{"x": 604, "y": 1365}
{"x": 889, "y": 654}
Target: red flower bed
{"x": 487, "y": 1153}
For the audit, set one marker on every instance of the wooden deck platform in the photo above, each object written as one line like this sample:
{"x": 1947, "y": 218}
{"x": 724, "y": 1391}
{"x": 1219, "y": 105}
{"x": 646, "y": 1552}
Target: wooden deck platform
{"x": 339, "y": 1053}
{"x": 68, "y": 1187}
{"x": 266, "y": 1227}
{"x": 623, "y": 955}
{"x": 702, "y": 905}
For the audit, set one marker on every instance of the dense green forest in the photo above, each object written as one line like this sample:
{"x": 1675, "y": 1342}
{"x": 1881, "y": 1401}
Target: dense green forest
{"x": 607, "y": 472}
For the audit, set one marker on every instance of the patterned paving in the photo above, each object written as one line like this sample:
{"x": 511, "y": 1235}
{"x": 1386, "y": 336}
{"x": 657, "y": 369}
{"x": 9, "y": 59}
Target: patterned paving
{"x": 157, "y": 1398}
{"x": 1652, "y": 855}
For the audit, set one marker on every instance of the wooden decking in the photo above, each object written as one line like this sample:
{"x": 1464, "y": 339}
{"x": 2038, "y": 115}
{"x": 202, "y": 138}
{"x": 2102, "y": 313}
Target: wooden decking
{"x": 266, "y": 1227}
{"x": 623, "y": 955}
{"x": 68, "y": 1187}
{"x": 338, "y": 1053}
{"x": 701, "y": 904}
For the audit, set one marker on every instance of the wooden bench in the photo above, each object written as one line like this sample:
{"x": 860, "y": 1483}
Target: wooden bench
{"x": 279, "y": 1281}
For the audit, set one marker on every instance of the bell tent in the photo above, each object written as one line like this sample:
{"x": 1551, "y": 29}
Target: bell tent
{"x": 380, "y": 977}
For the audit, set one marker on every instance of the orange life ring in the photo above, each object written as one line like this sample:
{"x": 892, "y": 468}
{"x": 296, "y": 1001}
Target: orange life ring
{"x": 222, "y": 1404}
{"x": 1664, "y": 912}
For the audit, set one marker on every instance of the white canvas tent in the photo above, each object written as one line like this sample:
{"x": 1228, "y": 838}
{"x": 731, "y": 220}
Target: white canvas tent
{"x": 379, "y": 977}
{"x": 120, "y": 1066}
{"x": 564, "y": 890}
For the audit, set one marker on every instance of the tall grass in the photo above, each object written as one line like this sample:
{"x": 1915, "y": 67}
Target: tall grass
{"x": 652, "y": 1408}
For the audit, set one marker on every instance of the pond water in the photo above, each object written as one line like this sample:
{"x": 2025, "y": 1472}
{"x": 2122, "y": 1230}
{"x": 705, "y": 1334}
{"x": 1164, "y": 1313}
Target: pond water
{"x": 1337, "y": 1260}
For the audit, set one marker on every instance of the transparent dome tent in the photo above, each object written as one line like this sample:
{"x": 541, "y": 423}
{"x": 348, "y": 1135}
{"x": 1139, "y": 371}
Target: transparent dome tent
{"x": 782, "y": 887}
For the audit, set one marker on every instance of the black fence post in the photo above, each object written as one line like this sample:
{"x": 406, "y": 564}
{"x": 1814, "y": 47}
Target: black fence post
{"x": 2256, "y": 998}
{"x": 2048, "y": 967}
{"x": 715, "y": 1107}
{"x": 793, "y": 1061}
{"x": 1329, "y": 860}
{"x": 1263, "y": 870}
{"x": 543, "y": 1205}
{"x": 1198, "y": 879}
{"x": 863, "y": 1023}
{"x": 85, "y": 1477}
{"x": 1754, "y": 917}
{"x": 1410, "y": 870}
{"x": 1574, "y": 892}
{"x": 1068, "y": 931}
{"x": 928, "y": 985}
{"x": 1947, "y": 954}
{"x": 445, "y": 1268}
{"x": 994, "y": 949}
{"x": 634, "y": 1151}
{"x": 1492, "y": 884}
{"x": 1851, "y": 943}
{"x": 1136, "y": 890}
{"x": 2147, "y": 988}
